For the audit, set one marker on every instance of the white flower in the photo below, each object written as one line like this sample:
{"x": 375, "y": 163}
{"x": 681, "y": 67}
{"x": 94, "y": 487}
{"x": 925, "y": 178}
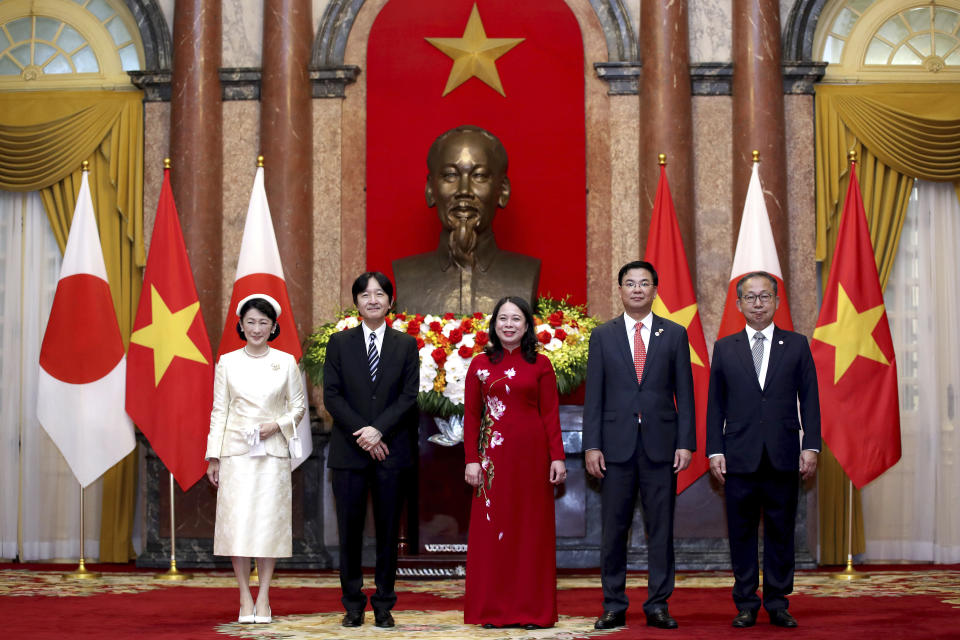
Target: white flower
{"x": 483, "y": 374}
{"x": 495, "y": 407}
{"x": 543, "y": 327}
{"x": 510, "y": 373}
{"x": 488, "y": 502}
{"x": 399, "y": 325}
{"x": 495, "y": 439}
{"x": 456, "y": 374}
{"x": 553, "y": 345}
{"x": 427, "y": 377}
{"x": 427, "y": 319}
{"x": 348, "y": 323}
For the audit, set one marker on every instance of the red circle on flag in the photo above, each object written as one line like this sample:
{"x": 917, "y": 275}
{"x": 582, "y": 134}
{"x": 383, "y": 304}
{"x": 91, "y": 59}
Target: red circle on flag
{"x": 82, "y": 342}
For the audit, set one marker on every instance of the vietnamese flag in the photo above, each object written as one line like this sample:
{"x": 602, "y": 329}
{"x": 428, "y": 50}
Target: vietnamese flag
{"x": 755, "y": 251}
{"x": 82, "y": 366}
{"x": 169, "y": 364}
{"x": 259, "y": 270}
{"x": 677, "y": 301}
{"x": 853, "y": 351}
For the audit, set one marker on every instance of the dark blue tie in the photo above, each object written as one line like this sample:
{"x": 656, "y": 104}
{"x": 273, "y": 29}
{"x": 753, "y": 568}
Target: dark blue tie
{"x": 373, "y": 358}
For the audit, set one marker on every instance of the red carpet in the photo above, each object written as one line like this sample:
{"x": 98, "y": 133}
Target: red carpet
{"x": 36, "y": 603}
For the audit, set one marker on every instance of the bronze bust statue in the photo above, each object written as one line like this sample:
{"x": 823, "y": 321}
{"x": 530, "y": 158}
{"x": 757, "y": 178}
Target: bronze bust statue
{"x": 467, "y": 182}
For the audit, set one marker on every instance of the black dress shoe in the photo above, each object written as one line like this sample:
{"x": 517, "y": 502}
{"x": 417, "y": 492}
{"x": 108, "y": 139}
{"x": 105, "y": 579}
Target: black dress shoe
{"x": 383, "y": 618}
{"x": 661, "y": 620}
{"x": 745, "y": 618}
{"x": 352, "y": 619}
{"x": 782, "y": 618}
{"x": 530, "y": 626}
{"x": 487, "y": 625}
{"x": 611, "y": 620}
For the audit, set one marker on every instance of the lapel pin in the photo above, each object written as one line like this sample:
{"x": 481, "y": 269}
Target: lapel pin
{"x": 659, "y": 331}
{"x": 780, "y": 342}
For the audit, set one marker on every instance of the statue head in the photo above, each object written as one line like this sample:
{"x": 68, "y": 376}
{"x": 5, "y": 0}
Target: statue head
{"x": 467, "y": 182}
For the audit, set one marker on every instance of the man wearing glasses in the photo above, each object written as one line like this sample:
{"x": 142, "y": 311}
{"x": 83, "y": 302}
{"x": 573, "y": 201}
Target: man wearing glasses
{"x": 757, "y": 377}
{"x": 638, "y": 434}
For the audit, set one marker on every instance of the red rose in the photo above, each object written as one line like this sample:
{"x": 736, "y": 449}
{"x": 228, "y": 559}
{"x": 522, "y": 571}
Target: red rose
{"x": 478, "y": 315}
{"x": 481, "y": 338}
{"x": 419, "y": 317}
{"x": 560, "y": 335}
{"x": 544, "y": 336}
{"x": 420, "y": 343}
{"x": 467, "y": 325}
{"x": 456, "y": 335}
{"x": 465, "y": 352}
{"x": 449, "y": 316}
{"x": 401, "y": 316}
{"x": 436, "y": 327}
{"x": 439, "y": 356}
{"x": 413, "y": 327}
{"x": 389, "y": 319}
{"x": 555, "y": 319}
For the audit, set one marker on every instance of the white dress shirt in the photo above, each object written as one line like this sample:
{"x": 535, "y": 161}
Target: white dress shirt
{"x": 379, "y": 332}
{"x": 768, "y": 341}
{"x": 630, "y": 323}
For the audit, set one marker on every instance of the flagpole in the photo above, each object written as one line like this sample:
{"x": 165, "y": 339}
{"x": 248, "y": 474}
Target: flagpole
{"x": 850, "y": 573}
{"x": 172, "y": 573}
{"x": 81, "y": 572}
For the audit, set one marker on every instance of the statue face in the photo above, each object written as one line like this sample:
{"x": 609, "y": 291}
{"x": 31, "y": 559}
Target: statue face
{"x": 467, "y": 183}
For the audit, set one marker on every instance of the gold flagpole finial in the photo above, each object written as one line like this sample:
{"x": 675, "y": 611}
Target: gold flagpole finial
{"x": 85, "y": 166}
{"x": 662, "y": 159}
{"x": 259, "y": 162}
{"x": 852, "y": 156}
{"x": 166, "y": 163}
{"x": 756, "y": 156}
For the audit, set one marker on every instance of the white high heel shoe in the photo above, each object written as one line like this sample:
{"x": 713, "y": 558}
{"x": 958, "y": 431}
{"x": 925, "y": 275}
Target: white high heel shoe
{"x": 242, "y": 619}
{"x": 267, "y": 619}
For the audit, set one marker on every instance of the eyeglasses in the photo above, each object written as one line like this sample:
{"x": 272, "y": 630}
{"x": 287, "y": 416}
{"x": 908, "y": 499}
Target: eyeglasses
{"x": 643, "y": 284}
{"x": 764, "y": 298}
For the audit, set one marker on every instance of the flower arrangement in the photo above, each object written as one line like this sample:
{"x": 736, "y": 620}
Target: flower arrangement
{"x": 448, "y": 343}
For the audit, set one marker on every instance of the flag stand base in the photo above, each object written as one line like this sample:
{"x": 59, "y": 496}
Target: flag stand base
{"x": 81, "y": 573}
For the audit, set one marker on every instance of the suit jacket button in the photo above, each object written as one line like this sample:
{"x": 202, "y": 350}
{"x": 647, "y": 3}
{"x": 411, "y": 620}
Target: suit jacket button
{"x": 373, "y": 397}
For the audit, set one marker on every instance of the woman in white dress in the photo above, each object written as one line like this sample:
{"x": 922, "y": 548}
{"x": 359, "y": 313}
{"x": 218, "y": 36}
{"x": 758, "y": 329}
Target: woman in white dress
{"x": 257, "y": 404}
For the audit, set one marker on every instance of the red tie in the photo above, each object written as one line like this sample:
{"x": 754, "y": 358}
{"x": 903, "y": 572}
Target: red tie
{"x": 639, "y": 351}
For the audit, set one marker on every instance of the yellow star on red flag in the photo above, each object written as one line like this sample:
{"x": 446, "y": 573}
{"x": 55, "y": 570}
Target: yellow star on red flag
{"x": 852, "y": 334}
{"x": 474, "y": 54}
{"x": 683, "y": 317}
{"x": 167, "y": 334}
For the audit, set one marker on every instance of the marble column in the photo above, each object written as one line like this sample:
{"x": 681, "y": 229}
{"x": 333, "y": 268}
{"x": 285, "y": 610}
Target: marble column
{"x": 196, "y": 150}
{"x": 758, "y": 117}
{"x": 286, "y": 141}
{"x": 666, "y": 123}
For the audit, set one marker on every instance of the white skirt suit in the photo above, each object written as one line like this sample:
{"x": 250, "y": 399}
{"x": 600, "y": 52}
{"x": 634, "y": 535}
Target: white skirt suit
{"x": 255, "y": 496}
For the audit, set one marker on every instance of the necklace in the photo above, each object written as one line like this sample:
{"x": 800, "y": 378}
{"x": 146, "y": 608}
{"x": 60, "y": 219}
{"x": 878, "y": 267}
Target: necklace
{"x": 257, "y": 356}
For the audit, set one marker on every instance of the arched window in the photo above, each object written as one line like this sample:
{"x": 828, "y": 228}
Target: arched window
{"x": 883, "y": 40}
{"x": 47, "y": 44}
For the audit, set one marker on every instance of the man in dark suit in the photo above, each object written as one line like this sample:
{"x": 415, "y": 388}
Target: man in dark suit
{"x": 638, "y": 433}
{"x": 757, "y": 376}
{"x": 370, "y": 383}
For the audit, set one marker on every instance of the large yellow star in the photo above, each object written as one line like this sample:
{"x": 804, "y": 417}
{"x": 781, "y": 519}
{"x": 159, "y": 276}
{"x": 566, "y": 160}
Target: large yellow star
{"x": 474, "y": 54}
{"x": 167, "y": 335}
{"x": 682, "y": 317}
{"x": 851, "y": 335}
